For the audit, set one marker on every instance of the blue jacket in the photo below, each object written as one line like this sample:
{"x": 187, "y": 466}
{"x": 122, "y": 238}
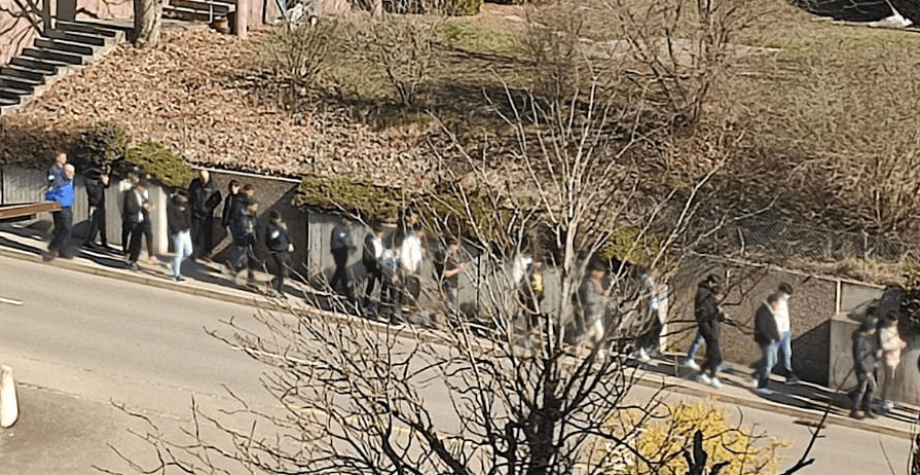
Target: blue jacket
{"x": 62, "y": 194}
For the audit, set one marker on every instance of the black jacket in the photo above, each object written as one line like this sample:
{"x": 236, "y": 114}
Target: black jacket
{"x": 178, "y": 216}
{"x": 203, "y": 198}
{"x": 95, "y": 189}
{"x": 707, "y": 312}
{"x": 277, "y": 238}
{"x": 133, "y": 207}
{"x": 765, "y": 331}
{"x": 865, "y": 350}
{"x": 227, "y": 213}
{"x": 369, "y": 253}
{"x": 238, "y": 208}
{"x": 244, "y": 229}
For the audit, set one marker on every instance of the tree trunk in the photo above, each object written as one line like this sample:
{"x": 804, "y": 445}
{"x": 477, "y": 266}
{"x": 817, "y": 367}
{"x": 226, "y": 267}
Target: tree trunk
{"x": 147, "y": 18}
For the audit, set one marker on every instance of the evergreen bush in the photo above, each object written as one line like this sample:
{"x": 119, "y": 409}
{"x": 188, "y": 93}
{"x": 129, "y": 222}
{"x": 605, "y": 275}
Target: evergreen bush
{"x": 100, "y": 145}
{"x": 161, "y": 163}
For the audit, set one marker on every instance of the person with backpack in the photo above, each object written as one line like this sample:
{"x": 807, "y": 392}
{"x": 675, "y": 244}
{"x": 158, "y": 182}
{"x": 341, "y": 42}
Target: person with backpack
{"x": 371, "y": 255}
{"x": 280, "y": 246}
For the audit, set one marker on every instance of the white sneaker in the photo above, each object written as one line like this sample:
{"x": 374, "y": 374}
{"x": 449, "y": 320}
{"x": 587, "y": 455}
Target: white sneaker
{"x": 714, "y": 382}
{"x": 643, "y": 356}
{"x": 764, "y": 391}
{"x": 702, "y": 378}
{"x": 690, "y": 363}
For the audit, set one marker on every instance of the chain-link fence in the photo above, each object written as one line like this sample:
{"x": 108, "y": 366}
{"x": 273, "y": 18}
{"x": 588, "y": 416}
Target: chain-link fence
{"x": 771, "y": 240}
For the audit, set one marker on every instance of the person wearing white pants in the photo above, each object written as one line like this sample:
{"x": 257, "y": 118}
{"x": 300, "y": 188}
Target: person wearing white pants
{"x": 179, "y": 218}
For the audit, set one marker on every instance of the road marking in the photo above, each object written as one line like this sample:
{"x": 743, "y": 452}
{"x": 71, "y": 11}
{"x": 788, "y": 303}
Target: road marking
{"x": 10, "y": 301}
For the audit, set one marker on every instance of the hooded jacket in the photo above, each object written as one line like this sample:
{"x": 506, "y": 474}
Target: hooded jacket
{"x": 707, "y": 312}
{"x": 277, "y": 238}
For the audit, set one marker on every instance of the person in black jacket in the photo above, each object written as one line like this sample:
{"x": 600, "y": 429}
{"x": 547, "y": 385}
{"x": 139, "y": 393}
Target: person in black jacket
{"x": 179, "y": 219}
{"x": 708, "y": 317}
{"x": 767, "y": 336}
{"x": 233, "y": 194}
{"x": 865, "y": 361}
{"x": 370, "y": 257}
{"x": 133, "y": 217}
{"x": 244, "y": 240}
{"x": 280, "y": 245}
{"x": 340, "y": 246}
{"x": 96, "y": 183}
{"x": 204, "y": 199}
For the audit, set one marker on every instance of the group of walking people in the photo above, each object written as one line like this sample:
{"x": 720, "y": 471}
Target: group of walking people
{"x": 190, "y": 215}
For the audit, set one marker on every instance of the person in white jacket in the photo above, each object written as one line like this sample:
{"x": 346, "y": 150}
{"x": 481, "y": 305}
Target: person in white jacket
{"x": 892, "y": 344}
{"x": 411, "y": 254}
{"x": 784, "y": 327}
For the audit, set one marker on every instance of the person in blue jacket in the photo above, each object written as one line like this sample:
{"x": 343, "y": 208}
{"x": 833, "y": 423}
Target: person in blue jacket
{"x": 60, "y": 189}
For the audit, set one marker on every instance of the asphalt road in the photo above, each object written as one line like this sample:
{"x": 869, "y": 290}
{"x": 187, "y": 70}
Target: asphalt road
{"x": 79, "y": 342}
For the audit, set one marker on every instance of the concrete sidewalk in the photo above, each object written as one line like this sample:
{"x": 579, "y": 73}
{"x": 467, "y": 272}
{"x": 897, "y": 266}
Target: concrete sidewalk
{"x": 806, "y": 402}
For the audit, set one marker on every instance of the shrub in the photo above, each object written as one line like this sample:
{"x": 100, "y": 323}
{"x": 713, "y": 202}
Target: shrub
{"x": 161, "y": 163}
{"x": 462, "y": 7}
{"x": 664, "y": 438}
{"x": 100, "y": 145}
{"x": 300, "y": 53}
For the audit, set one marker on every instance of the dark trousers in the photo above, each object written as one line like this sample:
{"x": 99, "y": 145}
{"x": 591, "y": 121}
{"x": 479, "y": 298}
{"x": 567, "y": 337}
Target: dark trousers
{"x": 340, "y": 257}
{"x": 865, "y": 390}
{"x": 147, "y": 229}
{"x": 135, "y": 230}
{"x": 713, "y": 356}
{"x": 97, "y": 226}
{"x": 244, "y": 256}
{"x": 202, "y": 236}
{"x": 282, "y": 268}
{"x": 374, "y": 275}
{"x": 126, "y": 227}
{"x": 391, "y": 292}
{"x": 63, "y": 225}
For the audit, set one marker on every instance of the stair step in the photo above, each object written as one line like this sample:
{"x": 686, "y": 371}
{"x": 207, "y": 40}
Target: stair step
{"x": 26, "y": 73}
{"x": 64, "y": 46}
{"x": 18, "y": 83}
{"x": 15, "y": 94}
{"x": 204, "y": 5}
{"x": 82, "y": 38}
{"x": 86, "y": 27}
{"x": 9, "y": 102}
{"x": 191, "y": 14}
{"x": 44, "y": 65}
{"x": 58, "y": 56}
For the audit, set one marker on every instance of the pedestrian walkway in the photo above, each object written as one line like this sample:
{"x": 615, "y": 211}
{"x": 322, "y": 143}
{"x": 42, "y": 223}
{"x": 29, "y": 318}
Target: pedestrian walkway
{"x": 805, "y": 402}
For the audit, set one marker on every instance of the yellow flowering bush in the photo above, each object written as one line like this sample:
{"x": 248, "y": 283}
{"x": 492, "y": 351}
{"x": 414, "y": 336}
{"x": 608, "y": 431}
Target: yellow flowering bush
{"x": 662, "y": 438}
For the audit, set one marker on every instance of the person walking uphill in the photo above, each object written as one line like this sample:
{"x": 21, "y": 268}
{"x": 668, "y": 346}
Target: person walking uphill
{"x": 60, "y": 190}
{"x": 280, "y": 245}
{"x": 708, "y": 317}
{"x": 244, "y": 238}
{"x": 179, "y": 219}
{"x": 340, "y": 246}
{"x": 767, "y": 336}
{"x": 204, "y": 199}
{"x": 891, "y": 343}
{"x": 865, "y": 362}
{"x": 96, "y": 183}
{"x": 133, "y": 217}
{"x": 784, "y": 326}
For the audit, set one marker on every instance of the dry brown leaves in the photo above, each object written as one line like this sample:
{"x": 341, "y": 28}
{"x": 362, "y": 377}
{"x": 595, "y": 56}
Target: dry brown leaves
{"x": 194, "y": 93}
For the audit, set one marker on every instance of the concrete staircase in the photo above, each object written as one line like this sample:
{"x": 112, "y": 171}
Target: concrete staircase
{"x": 209, "y": 11}
{"x": 67, "y": 48}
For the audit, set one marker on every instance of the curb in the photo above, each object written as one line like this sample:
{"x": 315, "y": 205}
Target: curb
{"x": 809, "y": 417}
